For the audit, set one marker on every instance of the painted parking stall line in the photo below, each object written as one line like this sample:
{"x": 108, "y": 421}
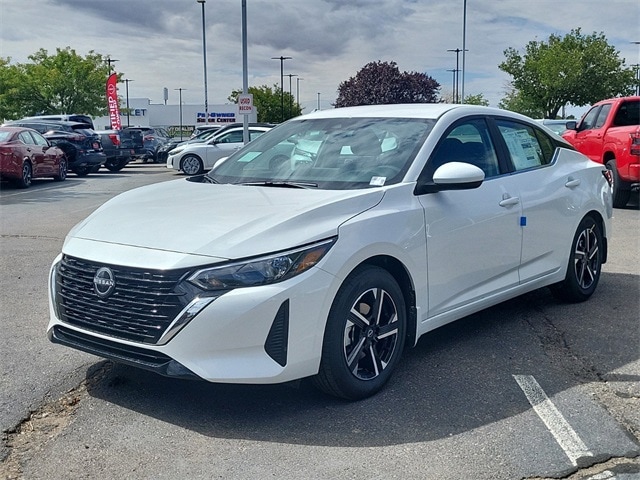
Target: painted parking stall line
{"x": 561, "y": 430}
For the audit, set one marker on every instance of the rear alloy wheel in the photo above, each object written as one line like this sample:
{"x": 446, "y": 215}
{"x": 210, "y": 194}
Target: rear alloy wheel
{"x": 192, "y": 165}
{"x": 585, "y": 263}
{"x": 62, "y": 170}
{"x": 620, "y": 195}
{"x": 26, "y": 176}
{"x": 364, "y": 336}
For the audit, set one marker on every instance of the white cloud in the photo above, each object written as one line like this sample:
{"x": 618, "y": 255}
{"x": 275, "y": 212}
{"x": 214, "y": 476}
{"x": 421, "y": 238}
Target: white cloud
{"x": 159, "y": 42}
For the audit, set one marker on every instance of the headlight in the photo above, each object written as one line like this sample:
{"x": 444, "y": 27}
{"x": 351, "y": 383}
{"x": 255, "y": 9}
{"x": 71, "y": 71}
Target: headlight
{"x": 175, "y": 151}
{"x": 263, "y": 270}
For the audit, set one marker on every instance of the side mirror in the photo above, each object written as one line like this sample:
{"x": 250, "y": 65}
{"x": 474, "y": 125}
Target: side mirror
{"x": 571, "y": 125}
{"x": 452, "y": 176}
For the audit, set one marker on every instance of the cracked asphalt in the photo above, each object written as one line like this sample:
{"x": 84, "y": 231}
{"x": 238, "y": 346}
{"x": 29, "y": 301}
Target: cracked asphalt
{"x": 453, "y": 410}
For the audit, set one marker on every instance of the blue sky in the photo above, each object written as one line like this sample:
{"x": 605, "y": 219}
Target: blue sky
{"x": 159, "y": 42}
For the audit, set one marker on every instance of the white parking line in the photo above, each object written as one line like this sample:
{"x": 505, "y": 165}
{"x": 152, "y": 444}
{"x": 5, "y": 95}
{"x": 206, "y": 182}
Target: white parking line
{"x": 566, "y": 437}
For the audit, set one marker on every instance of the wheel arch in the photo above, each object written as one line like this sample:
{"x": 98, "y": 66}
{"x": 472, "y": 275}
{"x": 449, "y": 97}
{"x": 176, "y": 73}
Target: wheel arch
{"x": 401, "y": 275}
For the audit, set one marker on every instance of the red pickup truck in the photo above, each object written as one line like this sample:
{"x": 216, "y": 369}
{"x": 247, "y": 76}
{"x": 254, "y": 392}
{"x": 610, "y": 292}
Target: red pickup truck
{"x": 609, "y": 133}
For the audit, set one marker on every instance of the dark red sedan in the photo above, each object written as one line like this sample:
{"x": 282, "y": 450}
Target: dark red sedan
{"x": 25, "y": 155}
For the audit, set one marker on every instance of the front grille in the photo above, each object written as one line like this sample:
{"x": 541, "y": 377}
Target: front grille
{"x": 140, "y": 308}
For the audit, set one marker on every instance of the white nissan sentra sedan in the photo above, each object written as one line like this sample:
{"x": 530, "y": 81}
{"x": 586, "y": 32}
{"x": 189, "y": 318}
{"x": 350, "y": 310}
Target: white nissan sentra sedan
{"x": 378, "y": 224}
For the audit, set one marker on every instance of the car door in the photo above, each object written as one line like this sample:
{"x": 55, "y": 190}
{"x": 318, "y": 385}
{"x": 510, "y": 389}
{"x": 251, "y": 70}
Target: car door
{"x": 48, "y": 158}
{"x": 545, "y": 191}
{"x": 34, "y": 153}
{"x": 474, "y": 236}
{"x": 591, "y": 138}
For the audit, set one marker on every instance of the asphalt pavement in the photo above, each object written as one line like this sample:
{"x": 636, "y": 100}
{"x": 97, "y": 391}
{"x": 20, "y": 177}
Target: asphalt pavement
{"x": 531, "y": 388}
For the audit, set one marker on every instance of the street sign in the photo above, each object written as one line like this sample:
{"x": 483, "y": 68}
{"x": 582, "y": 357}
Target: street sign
{"x": 245, "y": 104}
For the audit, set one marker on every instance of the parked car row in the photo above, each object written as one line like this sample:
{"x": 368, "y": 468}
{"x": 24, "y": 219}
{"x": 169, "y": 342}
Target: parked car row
{"x": 84, "y": 150}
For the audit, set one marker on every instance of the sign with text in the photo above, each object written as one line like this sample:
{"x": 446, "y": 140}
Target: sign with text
{"x": 112, "y": 102}
{"x": 245, "y": 104}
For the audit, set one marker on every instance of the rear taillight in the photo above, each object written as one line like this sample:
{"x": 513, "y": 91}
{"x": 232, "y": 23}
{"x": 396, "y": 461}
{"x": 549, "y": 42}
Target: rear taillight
{"x": 608, "y": 176}
{"x": 148, "y": 138}
{"x": 115, "y": 139}
{"x": 634, "y": 148}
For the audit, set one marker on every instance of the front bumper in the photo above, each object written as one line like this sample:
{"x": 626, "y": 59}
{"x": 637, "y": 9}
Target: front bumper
{"x": 266, "y": 334}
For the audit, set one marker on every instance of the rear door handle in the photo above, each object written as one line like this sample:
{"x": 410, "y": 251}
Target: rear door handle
{"x": 572, "y": 182}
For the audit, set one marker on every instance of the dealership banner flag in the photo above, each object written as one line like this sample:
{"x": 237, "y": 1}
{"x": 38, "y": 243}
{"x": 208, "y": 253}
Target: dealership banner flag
{"x": 112, "y": 102}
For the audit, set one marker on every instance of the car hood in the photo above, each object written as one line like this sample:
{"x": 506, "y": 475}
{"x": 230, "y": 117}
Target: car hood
{"x": 220, "y": 221}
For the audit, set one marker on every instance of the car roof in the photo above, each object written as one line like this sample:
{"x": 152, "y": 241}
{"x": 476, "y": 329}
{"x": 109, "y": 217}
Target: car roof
{"x": 408, "y": 110}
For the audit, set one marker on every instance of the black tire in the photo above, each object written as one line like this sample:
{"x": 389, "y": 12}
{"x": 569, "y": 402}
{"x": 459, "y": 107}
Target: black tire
{"x": 585, "y": 263}
{"x": 364, "y": 336}
{"x": 62, "y": 170}
{"x": 26, "y": 175}
{"x": 621, "y": 195}
{"x": 82, "y": 170}
{"x": 115, "y": 165}
{"x": 192, "y": 165}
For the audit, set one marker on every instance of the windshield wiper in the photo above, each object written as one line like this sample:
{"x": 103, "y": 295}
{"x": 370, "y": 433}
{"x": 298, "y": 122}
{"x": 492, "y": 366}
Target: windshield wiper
{"x": 209, "y": 179}
{"x": 281, "y": 184}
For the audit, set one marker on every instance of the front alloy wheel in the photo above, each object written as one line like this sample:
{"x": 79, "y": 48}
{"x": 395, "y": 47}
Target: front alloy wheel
{"x": 364, "y": 336}
{"x": 192, "y": 165}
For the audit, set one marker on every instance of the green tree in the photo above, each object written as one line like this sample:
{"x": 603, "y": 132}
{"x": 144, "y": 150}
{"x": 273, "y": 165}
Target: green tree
{"x": 62, "y": 83}
{"x": 476, "y": 100}
{"x": 10, "y": 80}
{"x": 514, "y": 101}
{"x": 383, "y": 83}
{"x": 575, "y": 69}
{"x": 269, "y": 103}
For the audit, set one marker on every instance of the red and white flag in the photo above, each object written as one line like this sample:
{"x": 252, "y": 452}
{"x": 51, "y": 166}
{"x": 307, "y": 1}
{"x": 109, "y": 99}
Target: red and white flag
{"x": 112, "y": 102}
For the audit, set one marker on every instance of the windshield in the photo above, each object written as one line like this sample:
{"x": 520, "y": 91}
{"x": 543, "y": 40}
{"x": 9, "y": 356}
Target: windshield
{"x": 330, "y": 153}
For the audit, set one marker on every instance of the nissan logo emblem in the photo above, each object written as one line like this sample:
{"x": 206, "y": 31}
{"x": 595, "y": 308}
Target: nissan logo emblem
{"x": 104, "y": 282}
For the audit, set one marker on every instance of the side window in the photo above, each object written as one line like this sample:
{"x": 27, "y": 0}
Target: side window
{"x": 525, "y": 148}
{"x": 39, "y": 139}
{"x": 602, "y": 116}
{"x": 253, "y": 134}
{"x": 589, "y": 120}
{"x": 628, "y": 114}
{"x": 231, "y": 137}
{"x": 26, "y": 138}
{"x": 468, "y": 142}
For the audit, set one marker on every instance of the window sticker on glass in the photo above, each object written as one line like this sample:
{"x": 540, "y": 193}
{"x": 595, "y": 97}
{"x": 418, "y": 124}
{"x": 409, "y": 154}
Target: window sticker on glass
{"x": 522, "y": 149}
{"x": 377, "y": 181}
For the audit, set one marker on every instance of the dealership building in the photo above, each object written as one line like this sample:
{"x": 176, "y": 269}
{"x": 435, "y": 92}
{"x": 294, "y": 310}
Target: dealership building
{"x": 142, "y": 112}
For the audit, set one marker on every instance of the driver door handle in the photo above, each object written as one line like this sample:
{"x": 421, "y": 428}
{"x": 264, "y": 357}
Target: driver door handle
{"x": 508, "y": 201}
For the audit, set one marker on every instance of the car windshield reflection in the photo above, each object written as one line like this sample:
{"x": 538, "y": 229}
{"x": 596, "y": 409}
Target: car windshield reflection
{"x": 342, "y": 153}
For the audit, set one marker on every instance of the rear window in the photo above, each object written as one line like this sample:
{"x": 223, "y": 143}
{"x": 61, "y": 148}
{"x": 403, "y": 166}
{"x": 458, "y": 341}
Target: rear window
{"x": 628, "y": 114}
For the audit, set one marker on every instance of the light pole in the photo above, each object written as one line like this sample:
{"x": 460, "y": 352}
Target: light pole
{"x": 318, "y": 107}
{"x": 180, "y": 100}
{"x": 453, "y": 87}
{"x": 290, "y": 95}
{"x": 282, "y": 59}
{"x": 464, "y": 42}
{"x": 298, "y": 89}
{"x": 245, "y": 72}
{"x": 126, "y": 82}
{"x": 110, "y": 61}
{"x": 457, "y": 88}
{"x": 204, "y": 60}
